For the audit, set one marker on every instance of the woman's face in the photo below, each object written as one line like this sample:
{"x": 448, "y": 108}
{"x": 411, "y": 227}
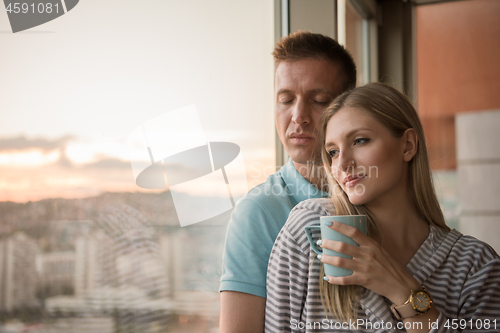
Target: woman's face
{"x": 367, "y": 160}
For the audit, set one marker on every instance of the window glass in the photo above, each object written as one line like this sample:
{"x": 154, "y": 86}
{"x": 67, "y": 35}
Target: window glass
{"x": 354, "y": 40}
{"x": 129, "y": 130}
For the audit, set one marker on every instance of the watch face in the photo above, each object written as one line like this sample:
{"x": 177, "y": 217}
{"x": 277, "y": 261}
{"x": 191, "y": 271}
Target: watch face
{"x": 421, "y": 301}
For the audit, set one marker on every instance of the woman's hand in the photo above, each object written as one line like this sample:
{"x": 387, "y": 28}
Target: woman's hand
{"x": 372, "y": 266}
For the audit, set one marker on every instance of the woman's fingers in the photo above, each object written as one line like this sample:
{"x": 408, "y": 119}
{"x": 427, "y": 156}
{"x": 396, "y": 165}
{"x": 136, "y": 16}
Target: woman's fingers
{"x": 351, "y": 232}
{"x": 362, "y": 253}
{"x": 341, "y": 247}
{"x": 354, "y": 279}
{"x": 340, "y": 280}
{"x": 373, "y": 267}
{"x": 339, "y": 262}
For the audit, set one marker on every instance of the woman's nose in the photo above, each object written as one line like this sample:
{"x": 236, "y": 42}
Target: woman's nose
{"x": 345, "y": 162}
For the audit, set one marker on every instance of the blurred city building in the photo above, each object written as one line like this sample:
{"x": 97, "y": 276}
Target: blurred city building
{"x": 56, "y": 272}
{"x": 18, "y": 276}
{"x": 94, "y": 263}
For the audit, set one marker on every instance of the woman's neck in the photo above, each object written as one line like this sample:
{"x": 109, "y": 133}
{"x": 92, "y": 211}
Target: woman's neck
{"x": 402, "y": 230}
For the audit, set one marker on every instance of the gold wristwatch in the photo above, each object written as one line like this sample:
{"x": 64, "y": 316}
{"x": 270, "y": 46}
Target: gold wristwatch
{"x": 418, "y": 303}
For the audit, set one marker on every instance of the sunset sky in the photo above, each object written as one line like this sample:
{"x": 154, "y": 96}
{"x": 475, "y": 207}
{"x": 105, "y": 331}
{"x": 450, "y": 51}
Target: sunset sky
{"x": 73, "y": 90}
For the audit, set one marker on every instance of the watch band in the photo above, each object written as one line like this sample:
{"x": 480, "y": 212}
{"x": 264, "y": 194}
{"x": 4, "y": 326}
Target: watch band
{"x": 408, "y": 310}
{"x": 403, "y": 311}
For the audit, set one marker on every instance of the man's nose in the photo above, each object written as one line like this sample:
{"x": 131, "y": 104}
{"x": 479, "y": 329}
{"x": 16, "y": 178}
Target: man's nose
{"x": 301, "y": 113}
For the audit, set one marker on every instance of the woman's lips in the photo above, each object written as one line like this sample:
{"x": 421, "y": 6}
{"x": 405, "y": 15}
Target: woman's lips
{"x": 353, "y": 181}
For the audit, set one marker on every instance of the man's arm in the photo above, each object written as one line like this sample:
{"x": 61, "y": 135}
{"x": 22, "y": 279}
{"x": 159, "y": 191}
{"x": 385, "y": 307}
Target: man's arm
{"x": 249, "y": 240}
{"x": 241, "y": 313}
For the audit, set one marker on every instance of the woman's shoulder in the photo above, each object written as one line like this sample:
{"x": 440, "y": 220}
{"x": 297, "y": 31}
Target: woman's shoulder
{"x": 476, "y": 251}
{"x": 466, "y": 255}
{"x": 318, "y": 207}
{"x": 323, "y": 206}
{"x": 308, "y": 212}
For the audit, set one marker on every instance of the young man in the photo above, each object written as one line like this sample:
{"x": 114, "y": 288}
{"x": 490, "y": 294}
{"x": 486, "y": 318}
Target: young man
{"x": 310, "y": 71}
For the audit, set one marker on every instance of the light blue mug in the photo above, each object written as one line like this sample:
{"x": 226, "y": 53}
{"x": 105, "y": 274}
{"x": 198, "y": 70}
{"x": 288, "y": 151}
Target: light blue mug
{"x": 357, "y": 221}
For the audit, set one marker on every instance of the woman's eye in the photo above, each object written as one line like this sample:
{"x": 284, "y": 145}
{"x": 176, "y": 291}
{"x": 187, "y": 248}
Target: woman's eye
{"x": 361, "y": 141}
{"x": 333, "y": 153}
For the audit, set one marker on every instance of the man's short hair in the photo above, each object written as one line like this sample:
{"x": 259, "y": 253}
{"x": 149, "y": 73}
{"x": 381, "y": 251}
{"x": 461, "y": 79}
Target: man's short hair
{"x": 304, "y": 44}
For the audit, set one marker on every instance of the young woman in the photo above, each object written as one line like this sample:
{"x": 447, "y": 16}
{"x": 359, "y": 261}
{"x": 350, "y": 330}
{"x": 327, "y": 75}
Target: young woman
{"x": 410, "y": 273}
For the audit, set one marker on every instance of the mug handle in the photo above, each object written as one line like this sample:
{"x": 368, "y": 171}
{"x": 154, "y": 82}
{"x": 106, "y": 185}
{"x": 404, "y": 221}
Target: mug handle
{"x": 313, "y": 244}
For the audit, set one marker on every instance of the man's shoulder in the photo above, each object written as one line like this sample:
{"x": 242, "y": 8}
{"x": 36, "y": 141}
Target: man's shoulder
{"x": 269, "y": 194}
{"x": 255, "y": 222}
{"x": 273, "y": 182}
{"x": 321, "y": 206}
{"x": 264, "y": 207}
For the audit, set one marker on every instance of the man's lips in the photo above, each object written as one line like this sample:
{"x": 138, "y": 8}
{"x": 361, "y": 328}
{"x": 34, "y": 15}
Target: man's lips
{"x": 301, "y": 138}
{"x": 353, "y": 180}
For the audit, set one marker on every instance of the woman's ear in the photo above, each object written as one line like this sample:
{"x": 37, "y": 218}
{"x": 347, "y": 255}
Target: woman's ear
{"x": 411, "y": 144}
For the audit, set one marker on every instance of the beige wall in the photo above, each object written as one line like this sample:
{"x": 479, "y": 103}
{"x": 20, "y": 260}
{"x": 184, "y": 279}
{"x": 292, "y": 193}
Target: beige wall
{"x": 479, "y": 175}
{"x": 313, "y": 15}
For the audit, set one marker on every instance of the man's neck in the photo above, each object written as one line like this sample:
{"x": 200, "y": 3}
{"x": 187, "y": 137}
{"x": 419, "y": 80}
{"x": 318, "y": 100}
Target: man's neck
{"x": 313, "y": 173}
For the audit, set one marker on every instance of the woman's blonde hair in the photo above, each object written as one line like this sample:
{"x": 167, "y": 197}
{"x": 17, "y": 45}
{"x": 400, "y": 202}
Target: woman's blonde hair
{"x": 393, "y": 110}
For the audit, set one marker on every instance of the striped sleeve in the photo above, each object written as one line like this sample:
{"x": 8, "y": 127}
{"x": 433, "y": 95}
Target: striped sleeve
{"x": 287, "y": 275}
{"x": 479, "y": 298}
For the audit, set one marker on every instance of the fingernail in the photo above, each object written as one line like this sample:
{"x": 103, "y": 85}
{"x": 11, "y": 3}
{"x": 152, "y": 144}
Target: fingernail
{"x": 325, "y": 278}
{"x": 328, "y": 223}
{"x": 318, "y": 242}
{"x": 319, "y": 256}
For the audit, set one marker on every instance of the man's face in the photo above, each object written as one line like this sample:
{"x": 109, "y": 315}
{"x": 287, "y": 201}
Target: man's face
{"x": 304, "y": 88}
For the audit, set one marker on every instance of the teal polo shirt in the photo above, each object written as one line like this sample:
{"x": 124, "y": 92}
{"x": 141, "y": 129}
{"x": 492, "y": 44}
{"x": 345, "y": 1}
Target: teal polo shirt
{"x": 255, "y": 223}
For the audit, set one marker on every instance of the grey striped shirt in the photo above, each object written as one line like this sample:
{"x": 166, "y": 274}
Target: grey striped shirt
{"x": 460, "y": 272}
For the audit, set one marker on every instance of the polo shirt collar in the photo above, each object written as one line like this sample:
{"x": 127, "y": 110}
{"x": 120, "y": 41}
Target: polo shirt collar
{"x": 297, "y": 186}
